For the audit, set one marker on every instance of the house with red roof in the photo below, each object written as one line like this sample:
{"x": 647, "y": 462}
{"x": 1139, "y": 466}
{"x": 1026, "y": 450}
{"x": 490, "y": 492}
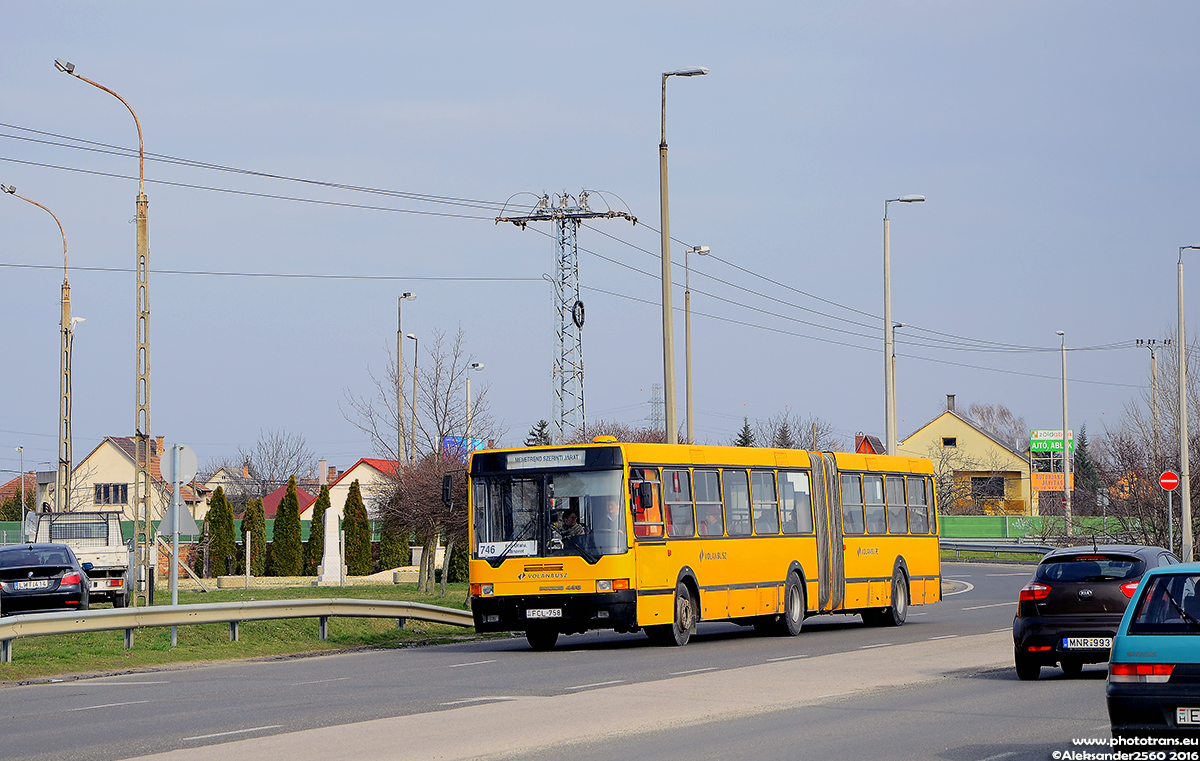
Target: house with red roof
{"x": 272, "y": 500}
{"x": 376, "y": 479}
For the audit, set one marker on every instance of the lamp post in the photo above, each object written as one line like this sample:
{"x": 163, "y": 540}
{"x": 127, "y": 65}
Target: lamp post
{"x": 476, "y": 366}
{"x": 21, "y": 452}
{"x": 1185, "y": 484}
{"x": 889, "y": 381}
{"x": 62, "y": 485}
{"x": 895, "y": 428}
{"x": 1066, "y": 455}
{"x": 400, "y": 443}
{"x": 141, "y": 423}
{"x": 412, "y": 457}
{"x": 672, "y": 431}
{"x": 687, "y": 333}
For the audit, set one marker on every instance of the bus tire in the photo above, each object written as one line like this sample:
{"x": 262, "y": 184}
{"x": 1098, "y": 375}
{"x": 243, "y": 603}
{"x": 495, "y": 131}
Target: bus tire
{"x": 542, "y": 639}
{"x": 896, "y": 613}
{"x": 678, "y": 632}
{"x": 792, "y": 619}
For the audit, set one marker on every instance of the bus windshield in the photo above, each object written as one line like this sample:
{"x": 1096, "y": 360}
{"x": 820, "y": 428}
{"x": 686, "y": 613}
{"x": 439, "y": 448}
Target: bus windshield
{"x": 550, "y": 514}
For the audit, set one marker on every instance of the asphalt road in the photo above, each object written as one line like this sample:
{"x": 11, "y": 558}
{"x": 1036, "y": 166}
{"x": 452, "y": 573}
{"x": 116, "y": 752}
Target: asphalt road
{"x": 138, "y": 714}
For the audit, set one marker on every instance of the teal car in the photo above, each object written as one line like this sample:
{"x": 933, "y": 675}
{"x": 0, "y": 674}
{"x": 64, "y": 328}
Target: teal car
{"x": 1154, "y": 669}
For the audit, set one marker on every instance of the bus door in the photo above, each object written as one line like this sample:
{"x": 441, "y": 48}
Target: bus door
{"x": 828, "y": 515}
{"x": 651, "y": 543}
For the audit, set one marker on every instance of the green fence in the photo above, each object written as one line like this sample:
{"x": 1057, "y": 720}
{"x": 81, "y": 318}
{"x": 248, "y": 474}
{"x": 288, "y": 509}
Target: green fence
{"x": 12, "y": 532}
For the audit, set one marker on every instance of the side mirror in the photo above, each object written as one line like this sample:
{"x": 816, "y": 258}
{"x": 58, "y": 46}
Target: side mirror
{"x": 645, "y": 494}
{"x": 88, "y": 566}
{"x": 447, "y": 488}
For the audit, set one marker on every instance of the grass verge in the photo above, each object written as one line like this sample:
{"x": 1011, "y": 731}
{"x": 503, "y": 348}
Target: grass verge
{"x": 104, "y": 652}
{"x": 992, "y": 557}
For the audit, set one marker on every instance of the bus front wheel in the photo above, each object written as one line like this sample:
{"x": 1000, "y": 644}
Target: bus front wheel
{"x": 680, "y": 631}
{"x": 541, "y": 639}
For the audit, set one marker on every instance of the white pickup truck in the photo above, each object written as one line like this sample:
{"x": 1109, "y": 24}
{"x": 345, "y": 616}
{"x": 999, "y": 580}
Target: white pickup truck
{"x": 95, "y": 537}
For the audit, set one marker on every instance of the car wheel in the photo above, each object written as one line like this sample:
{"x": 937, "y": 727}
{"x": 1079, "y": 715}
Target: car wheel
{"x": 1027, "y": 668}
{"x": 541, "y": 639}
{"x": 1071, "y": 668}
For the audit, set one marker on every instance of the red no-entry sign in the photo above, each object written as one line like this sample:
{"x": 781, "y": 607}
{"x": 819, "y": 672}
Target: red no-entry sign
{"x": 1169, "y": 480}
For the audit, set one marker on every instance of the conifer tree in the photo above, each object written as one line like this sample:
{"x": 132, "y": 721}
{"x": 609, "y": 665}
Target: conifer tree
{"x": 539, "y": 435}
{"x": 459, "y": 562}
{"x": 393, "y": 547}
{"x": 314, "y": 548}
{"x": 287, "y": 556}
{"x": 221, "y": 543}
{"x": 783, "y": 438}
{"x": 1085, "y": 468}
{"x": 357, "y": 529}
{"x": 254, "y": 523}
{"x": 745, "y": 437}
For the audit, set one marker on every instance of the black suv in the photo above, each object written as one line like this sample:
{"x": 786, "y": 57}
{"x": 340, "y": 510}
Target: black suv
{"x": 1068, "y": 614}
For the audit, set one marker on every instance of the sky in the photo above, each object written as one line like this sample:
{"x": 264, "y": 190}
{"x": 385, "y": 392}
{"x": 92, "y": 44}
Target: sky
{"x": 1055, "y": 143}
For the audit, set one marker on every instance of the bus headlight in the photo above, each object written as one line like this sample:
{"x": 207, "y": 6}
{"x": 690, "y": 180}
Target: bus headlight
{"x": 608, "y": 585}
{"x": 604, "y": 586}
{"x": 481, "y": 589}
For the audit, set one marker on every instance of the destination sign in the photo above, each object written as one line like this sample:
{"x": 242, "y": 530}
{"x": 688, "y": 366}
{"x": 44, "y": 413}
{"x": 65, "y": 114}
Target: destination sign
{"x": 547, "y": 458}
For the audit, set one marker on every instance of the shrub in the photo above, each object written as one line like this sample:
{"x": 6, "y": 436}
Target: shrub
{"x": 221, "y": 543}
{"x": 255, "y": 524}
{"x": 286, "y": 553}
{"x": 357, "y": 529}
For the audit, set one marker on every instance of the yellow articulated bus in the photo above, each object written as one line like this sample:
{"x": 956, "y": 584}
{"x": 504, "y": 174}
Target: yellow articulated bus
{"x": 659, "y": 537}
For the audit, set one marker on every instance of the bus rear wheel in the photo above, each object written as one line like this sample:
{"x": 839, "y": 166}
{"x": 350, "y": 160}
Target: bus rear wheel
{"x": 541, "y": 639}
{"x": 896, "y": 613}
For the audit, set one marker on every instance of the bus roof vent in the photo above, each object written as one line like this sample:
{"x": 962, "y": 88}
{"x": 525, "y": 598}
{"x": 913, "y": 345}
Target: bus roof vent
{"x": 605, "y": 440}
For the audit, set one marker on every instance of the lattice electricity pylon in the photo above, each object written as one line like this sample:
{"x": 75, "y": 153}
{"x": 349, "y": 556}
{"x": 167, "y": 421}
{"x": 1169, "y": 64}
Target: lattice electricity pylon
{"x": 566, "y": 212}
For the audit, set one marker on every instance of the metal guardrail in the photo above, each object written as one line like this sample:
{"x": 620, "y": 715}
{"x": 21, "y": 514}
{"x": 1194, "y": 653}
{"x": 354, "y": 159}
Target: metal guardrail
{"x": 71, "y": 622}
{"x": 995, "y": 548}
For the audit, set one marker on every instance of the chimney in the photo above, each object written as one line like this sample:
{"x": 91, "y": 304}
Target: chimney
{"x": 858, "y": 440}
{"x": 246, "y": 470}
{"x": 322, "y": 472}
{"x": 950, "y": 402}
{"x": 159, "y": 440}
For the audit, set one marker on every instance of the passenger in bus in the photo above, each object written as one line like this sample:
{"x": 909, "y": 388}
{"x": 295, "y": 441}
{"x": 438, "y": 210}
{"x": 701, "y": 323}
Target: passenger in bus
{"x": 571, "y": 525}
{"x": 710, "y": 520}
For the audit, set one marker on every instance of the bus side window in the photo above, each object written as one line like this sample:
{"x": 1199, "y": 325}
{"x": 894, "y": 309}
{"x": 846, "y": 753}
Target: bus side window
{"x": 647, "y": 505}
{"x": 918, "y": 506}
{"x": 708, "y": 503}
{"x": 762, "y": 499}
{"x": 677, "y": 486}
{"x": 795, "y": 501}
{"x": 896, "y": 505}
{"x": 737, "y": 503}
{"x": 876, "y": 512}
{"x": 852, "y": 505}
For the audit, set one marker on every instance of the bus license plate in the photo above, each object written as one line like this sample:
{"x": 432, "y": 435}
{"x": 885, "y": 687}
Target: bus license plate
{"x": 1187, "y": 715}
{"x": 543, "y": 613}
{"x": 39, "y": 584}
{"x": 1087, "y": 643}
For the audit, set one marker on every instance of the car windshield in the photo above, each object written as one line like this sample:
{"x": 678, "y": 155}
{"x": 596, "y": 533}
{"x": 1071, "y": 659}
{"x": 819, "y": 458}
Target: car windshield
{"x": 1170, "y": 604}
{"x": 550, "y": 514}
{"x": 23, "y": 557}
{"x": 1091, "y": 567}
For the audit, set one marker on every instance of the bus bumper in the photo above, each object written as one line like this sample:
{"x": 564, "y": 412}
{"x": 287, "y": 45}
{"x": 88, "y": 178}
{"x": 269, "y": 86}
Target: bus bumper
{"x": 568, "y": 614}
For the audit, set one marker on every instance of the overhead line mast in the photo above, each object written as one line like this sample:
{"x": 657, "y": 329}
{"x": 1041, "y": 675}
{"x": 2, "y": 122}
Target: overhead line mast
{"x": 566, "y": 212}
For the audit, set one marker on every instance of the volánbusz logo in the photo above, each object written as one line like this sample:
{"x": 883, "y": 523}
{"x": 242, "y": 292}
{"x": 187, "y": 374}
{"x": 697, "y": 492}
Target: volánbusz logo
{"x": 546, "y": 575}
{"x": 712, "y": 555}
{"x": 868, "y": 551}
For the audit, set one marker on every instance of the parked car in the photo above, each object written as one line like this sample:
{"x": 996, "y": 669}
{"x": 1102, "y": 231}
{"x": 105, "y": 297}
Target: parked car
{"x": 1069, "y": 613}
{"x": 39, "y": 578}
{"x": 1154, "y": 675}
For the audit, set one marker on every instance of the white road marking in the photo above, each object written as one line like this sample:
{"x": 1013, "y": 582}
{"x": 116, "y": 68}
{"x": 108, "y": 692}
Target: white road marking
{"x": 970, "y": 586}
{"x": 472, "y": 663}
{"x": 999, "y": 756}
{"x": 94, "y": 682}
{"x": 320, "y": 681}
{"x": 693, "y": 671}
{"x": 479, "y": 700}
{"x": 993, "y": 605}
{"x": 1005, "y": 629}
{"x": 595, "y": 684}
{"x": 109, "y": 705}
{"x": 959, "y": 576}
{"x": 787, "y": 658}
{"x": 918, "y": 614}
{"x": 881, "y": 644}
{"x": 1022, "y": 573}
{"x": 944, "y": 636}
{"x": 234, "y": 732}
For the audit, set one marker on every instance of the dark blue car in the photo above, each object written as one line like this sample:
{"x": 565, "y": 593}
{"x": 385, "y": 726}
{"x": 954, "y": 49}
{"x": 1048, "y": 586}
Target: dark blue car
{"x": 40, "y": 578}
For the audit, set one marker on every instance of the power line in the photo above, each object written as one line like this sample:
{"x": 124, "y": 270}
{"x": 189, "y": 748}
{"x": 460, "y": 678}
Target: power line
{"x": 285, "y": 275}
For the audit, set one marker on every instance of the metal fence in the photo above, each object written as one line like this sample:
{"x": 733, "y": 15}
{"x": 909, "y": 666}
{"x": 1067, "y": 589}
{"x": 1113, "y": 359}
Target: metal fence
{"x": 233, "y": 613}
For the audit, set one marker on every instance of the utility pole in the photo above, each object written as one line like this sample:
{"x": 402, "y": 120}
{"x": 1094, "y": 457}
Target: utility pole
{"x": 142, "y": 487}
{"x": 401, "y": 450}
{"x": 1154, "y": 345}
{"x": 566, "y": 213}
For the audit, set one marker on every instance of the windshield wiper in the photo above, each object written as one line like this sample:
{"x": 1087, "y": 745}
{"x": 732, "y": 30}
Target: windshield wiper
{"x": 1186, "y": 617}
{"x": 578, "y": 545}
{"x": 495, "y": 562}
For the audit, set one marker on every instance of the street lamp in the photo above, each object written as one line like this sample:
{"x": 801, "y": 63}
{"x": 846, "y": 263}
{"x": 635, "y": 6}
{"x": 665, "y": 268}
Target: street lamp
{"x": 476, "y": 366}
{"x": 62, "y": 484}
{"x": 141, "y": 421}
{"x": 895, "y": 326}
{"x": 1066, "y": 455}
{"x": 889, "y": 380}
{"x": 1185, "y": 485}
{"x": 400, "y": 443}
{"x": 664, "y": 208}
{"x": 687, "y": 332}
{"x": 412, "y": 457}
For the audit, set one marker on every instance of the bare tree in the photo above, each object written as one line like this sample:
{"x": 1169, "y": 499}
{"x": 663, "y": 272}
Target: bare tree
{"x": 416, "y": 505}
{"x": 786, "y": 430}
{"x": 1001, "y": 424}
{"x": 953, "y": 474}
{"x": 621, "y": 431}
{"x": 255, "y": 473}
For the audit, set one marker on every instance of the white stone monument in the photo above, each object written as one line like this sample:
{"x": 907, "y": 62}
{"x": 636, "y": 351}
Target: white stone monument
{"x": 332, "y": 572}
